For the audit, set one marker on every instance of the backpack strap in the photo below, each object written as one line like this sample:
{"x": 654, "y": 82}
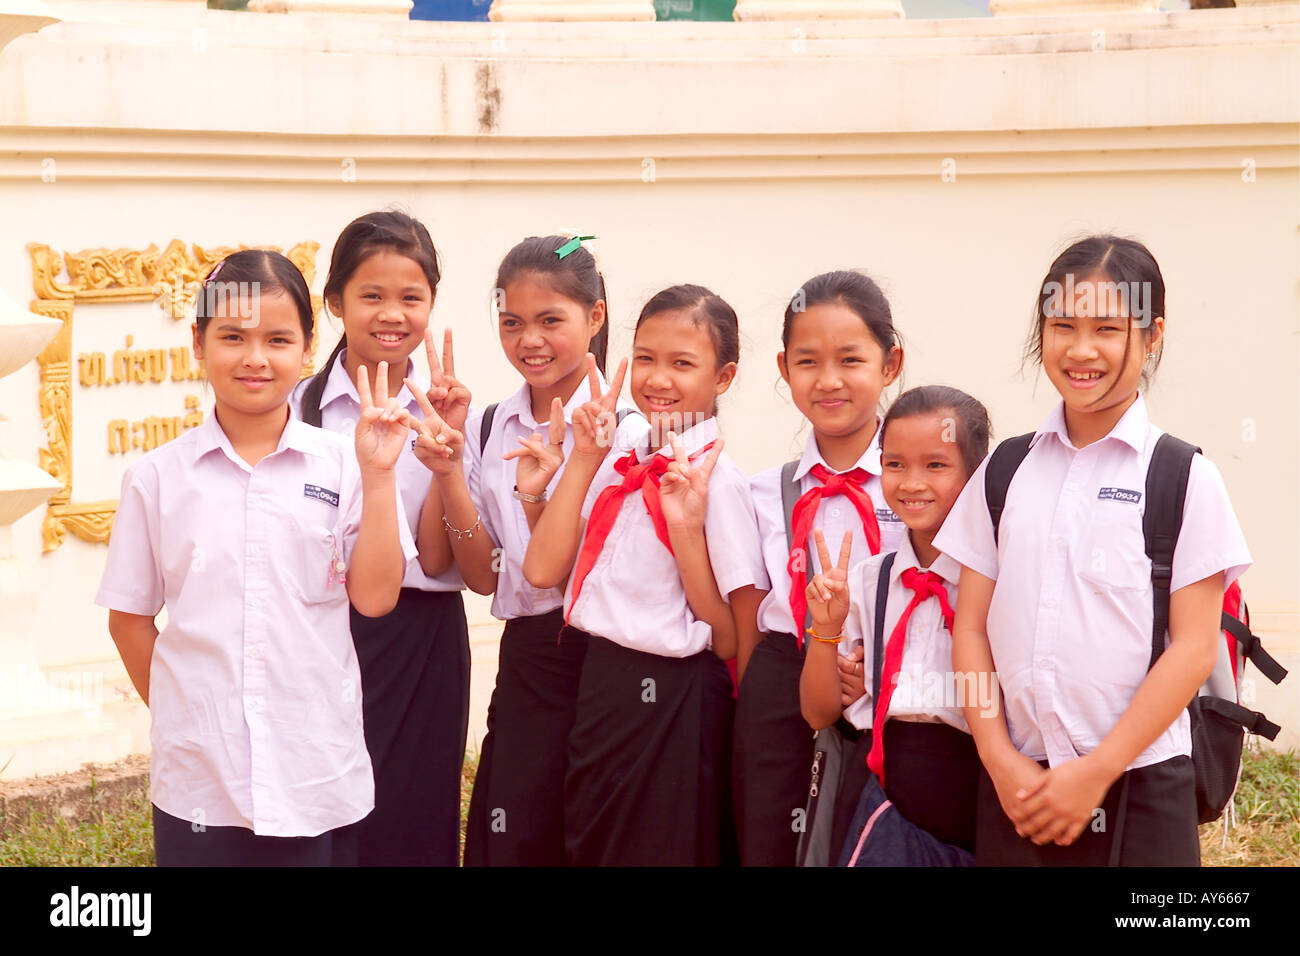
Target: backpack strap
{"x": 1004, "y": 461}
{"x": 485, "y": 427}
{"x": 878, "y": 635}
{"x": 1166, "y": 491}
{"x": 1252, "y": 720}
{"x": 789, "y": 497}
{"x": 1253, "y": 650}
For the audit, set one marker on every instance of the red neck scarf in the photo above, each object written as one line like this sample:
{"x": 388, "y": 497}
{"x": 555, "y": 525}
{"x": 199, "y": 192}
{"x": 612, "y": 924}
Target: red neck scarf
{"x": 644, "y": 476}
{"x": 924, "y": 585}
{"x": 801, "y": 522}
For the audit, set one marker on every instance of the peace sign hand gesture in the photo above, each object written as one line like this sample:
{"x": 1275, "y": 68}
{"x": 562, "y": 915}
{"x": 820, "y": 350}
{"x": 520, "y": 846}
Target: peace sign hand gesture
{"x": 684, "y": 488}
{"x": 446, "y": 392}
{"x": 438, "y": 446}
{"x": 381, "y": 429}
{"x": 538, "y": 462}
{"x": 827, "y": 593}
{"x": 596, "y": 421}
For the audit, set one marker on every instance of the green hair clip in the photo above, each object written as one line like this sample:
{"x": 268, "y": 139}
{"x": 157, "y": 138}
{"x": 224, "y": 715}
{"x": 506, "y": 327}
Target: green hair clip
{"x": 571, "y": 245}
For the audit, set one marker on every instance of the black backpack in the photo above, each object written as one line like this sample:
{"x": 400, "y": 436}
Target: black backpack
{"x": 1218, "y": 721}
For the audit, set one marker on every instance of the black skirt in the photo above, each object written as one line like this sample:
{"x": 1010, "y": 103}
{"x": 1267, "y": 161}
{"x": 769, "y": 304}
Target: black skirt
{"x": 931, "y": 776}
{"x": 647, "y": 783}
{"x": 772, "y": 754}
{"x": 415, "y": 699}
{"x": 516, "y": 815}
{"x": 1157, "y": 826}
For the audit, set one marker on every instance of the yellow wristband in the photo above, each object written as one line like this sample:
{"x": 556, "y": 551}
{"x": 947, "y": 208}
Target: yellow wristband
{"x": 825, "y": 640}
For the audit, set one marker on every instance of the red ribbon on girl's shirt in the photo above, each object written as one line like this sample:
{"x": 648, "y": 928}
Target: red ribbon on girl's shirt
{"x": 925, "y": 585}
{"x": 801, "y": 521}
{"x": 636, "y": 475}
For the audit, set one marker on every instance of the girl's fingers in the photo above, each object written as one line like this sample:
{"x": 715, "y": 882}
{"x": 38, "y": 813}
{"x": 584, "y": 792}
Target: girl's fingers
{"x": 558, "y": 428}
{"x": 431, "y": 353}
{"x": 448, "y": 363}
{"x": 705, "y": 467}
{"x": 616, "y": 387}
{"x": 593, "y": 377}
{"x": 846, "y": 548}
{"x": 679, "y": 452}
{"x": 381, "y": 383}
{"x": 363, "y": 388}
{"x": 434, "y": 421}
{"x": 822, "y": 554}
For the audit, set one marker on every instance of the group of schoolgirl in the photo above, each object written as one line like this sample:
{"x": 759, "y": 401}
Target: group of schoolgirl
{"x": 309, "y": 690}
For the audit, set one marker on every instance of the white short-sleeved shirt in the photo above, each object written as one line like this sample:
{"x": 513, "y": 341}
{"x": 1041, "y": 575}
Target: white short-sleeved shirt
{"x": 491, "y": 484}
{"x": 633, "y": 595}
{"x": 254, "y": 689}
{"x": 340, "y": 408}
{"x": 1071, "y": 616}
{"x": 834, "y": 516}
{"x": 926, "y": 689}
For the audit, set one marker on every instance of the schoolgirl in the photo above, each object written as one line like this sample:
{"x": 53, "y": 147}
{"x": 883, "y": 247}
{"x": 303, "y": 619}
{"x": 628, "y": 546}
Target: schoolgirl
{"x": 669, "y": 559}
{"x": 915, "y": 738}
{"x": 840, "y": 352}
{"x": 414, "y": 660}
{"x": 551, "y": 310}
{"x": 1059, "y": 605}
{"x": 251, "y": 530}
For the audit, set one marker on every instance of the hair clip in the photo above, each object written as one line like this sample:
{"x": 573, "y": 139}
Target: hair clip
{"x": 571, "y": 246}
{"x": 213, "y": 274}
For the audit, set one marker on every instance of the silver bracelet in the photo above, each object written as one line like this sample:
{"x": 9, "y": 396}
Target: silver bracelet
{"x": 531, "y": 499}
{"x": 467, "y": 533}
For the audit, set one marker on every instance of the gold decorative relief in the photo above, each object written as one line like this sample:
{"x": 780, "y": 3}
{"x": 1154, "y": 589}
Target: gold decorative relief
{"x": 172, "y": 277}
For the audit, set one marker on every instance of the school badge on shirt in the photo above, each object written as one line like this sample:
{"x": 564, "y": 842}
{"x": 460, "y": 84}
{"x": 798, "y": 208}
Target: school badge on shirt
{"x": 321, "y": 494}
{"x": 1119, "y": 494}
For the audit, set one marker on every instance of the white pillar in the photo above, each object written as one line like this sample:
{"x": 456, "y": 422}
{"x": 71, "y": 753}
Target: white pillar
{"x": 400, "y": 9}
{"x": 1031, "y": 8}
{"x": 23, "y": 16}
{"x": 518, "y": 10}
{"x": 818, "y": 10}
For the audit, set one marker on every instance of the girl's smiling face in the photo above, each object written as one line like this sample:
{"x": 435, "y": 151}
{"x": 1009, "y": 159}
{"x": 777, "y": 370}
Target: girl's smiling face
{"x": 836, "y": 369}
{"x": 922, "y": 471}
{"x": 253, "y": 356}
{"x": 385, "y": 308}
{"x": 545, "y": 335}
{"x": 675, "y": 374}
{"x": 1084, "y": 354}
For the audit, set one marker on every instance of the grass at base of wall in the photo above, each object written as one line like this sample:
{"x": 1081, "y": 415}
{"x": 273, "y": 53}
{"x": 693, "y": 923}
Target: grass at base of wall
{"x": 1266, "y": 831}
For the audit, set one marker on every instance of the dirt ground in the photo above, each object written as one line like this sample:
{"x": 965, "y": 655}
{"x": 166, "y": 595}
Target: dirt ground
{"x": 73, "y": 795}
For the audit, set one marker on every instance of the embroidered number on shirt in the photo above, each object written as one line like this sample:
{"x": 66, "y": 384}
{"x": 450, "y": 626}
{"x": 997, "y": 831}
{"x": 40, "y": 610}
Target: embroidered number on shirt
{"x": 321, "y": 494}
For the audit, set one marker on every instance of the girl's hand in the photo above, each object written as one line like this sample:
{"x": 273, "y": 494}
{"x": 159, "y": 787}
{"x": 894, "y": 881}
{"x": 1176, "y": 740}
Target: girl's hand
{"x": 827, "y": 593}
{"x": 853, "y": 680}
{"x": 438, "y": 446}
{"x": 381, "y": 429}
{"x": 539, "y": 462}
{"x": 596, "y": 421}
{"x": 446, "y": 393}
{"x": 1060, "y": 803}
{"x": 1013, "y": 774}
{"x": 684, "y": 488}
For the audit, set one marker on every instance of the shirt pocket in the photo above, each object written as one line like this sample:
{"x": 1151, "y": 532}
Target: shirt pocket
{"x": 313, "y": 578}
{"x": 1111, "y": 554}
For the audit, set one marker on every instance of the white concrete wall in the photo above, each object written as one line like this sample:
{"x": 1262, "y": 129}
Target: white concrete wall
{"x": 778, "y": 151}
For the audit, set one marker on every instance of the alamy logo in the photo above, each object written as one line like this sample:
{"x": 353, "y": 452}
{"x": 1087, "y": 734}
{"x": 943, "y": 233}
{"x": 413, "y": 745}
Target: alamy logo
{"x": 1119, "y": 494}
{"x": 75, "y": 908}
{"x": 321, "y": 494}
